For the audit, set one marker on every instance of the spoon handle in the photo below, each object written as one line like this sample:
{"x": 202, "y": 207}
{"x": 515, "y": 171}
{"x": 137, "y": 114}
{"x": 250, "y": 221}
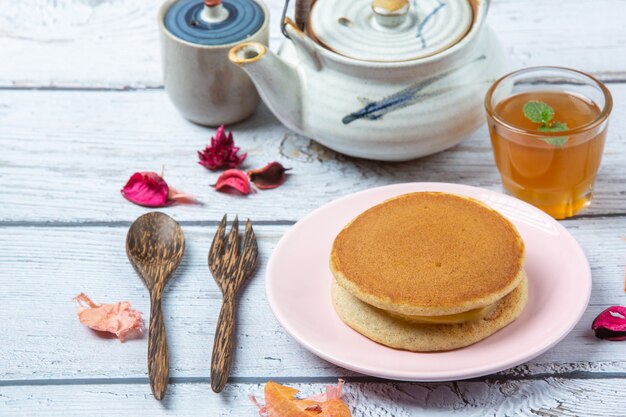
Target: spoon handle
{"x": 223, "y": 345}
{"x": 158, "y": 358}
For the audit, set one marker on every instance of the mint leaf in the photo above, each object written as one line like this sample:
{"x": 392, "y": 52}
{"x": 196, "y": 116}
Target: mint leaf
{"x": 538, "y": 112}
{"x": 559, "y": 141}
{"x": 554, "y": 127}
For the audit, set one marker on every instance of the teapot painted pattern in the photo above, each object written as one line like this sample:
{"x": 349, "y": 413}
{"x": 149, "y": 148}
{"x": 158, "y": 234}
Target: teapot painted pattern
{"x": 388, "y": 80}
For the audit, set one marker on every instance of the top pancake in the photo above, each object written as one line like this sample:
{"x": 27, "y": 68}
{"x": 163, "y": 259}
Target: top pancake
{"x": 428, "y": 254}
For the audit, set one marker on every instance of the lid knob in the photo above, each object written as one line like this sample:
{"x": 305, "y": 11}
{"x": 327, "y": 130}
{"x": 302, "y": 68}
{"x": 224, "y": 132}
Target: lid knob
{"x": 390, "y": 13}
{"x": 214, "y": 11}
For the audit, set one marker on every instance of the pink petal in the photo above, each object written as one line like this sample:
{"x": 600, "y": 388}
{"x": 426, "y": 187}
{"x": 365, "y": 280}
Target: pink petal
{"x": 233, "y": 179}
{"x": 262, "y": 409}
{"x": 333, "y": 392}
{"x": 146, "y": 189}
{"x": 117, "y": 318}
{"x": 182, "y": 198}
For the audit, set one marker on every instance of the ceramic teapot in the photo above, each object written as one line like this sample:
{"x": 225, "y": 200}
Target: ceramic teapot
{"x": 387, "y": 80}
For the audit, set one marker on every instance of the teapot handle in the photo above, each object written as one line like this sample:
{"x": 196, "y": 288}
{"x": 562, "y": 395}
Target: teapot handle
{"x": 303, "y": 8}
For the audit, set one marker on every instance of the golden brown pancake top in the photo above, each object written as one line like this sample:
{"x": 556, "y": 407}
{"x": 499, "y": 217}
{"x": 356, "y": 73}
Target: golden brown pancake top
{"x": 428, "y": 253}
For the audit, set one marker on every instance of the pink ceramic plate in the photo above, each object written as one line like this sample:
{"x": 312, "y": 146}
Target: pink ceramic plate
{"x": 298, "y": 290}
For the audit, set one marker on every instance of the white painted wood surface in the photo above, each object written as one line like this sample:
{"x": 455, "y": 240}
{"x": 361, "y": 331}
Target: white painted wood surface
{"x": 114, "y": 43}
{"x": 522, "y": 398}
{"x": 85, "y": 145}
{"x": 92, "y": 260}
{"x": 66, "y": 151}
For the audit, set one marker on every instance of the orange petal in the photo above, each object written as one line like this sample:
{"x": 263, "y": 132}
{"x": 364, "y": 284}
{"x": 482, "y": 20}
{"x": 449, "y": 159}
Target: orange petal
{"x": 82, "y": 298}
{"x": 280, "y": 401}
{"x": 335, "y": 408}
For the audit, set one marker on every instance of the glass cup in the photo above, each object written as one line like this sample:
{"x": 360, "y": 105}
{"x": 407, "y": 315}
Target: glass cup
{"x": 552, "y": 170}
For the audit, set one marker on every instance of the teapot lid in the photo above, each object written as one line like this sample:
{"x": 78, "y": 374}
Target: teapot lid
{"x": 214, "y": 22}
{"x": 389, "y": 30}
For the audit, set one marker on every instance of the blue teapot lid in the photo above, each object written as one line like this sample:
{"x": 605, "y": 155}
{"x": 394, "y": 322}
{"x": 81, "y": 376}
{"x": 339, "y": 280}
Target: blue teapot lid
{"x": 214, "y": 22}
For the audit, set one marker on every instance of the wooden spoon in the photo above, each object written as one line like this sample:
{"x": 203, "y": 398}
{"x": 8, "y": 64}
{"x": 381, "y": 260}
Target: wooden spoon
{"x": 155, "y": 245}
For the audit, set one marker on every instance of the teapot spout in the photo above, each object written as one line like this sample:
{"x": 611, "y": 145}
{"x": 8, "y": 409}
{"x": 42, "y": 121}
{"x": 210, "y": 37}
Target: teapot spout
{"x": 277, "y": 82}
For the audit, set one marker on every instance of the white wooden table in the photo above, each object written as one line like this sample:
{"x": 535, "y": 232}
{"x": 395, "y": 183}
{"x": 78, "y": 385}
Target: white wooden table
{"x": 82, "y": 107}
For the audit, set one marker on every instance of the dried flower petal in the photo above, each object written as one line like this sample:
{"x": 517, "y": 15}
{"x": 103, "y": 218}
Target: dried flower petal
{"x": 611, "y": 324}
{"x": 222, "y": 153}
{"x": 233, "y": 179}
{"x": 174, "y": 196}
{"x": 148, "y": 189}
{"x": 270, "y": 176}
{"x": 118, "y": 318}
{"x": 333, "y": 392}
{"x": 280, "y": 401}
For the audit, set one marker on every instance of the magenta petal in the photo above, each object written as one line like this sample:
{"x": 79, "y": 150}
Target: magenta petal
{"x": 611, "y": 324}
{"x": 233, "y": 179}
{"x": 146, "y": 189}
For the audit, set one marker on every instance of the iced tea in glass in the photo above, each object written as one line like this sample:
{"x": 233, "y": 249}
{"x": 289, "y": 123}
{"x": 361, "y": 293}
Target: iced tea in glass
{"x": 548, "y": 126}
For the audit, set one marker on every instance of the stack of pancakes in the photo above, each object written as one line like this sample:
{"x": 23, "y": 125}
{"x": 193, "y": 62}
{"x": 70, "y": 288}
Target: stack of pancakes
{"x": 428, "y": 272}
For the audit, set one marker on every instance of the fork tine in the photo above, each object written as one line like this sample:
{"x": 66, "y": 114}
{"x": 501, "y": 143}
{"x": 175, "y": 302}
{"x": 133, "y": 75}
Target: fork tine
{"x": 252, "y": 246}
{"x": 249, "y": 257}
{"x": 249, "y": 238}
{"x": 232, "y": 246}
{"x": 217, "y": 246}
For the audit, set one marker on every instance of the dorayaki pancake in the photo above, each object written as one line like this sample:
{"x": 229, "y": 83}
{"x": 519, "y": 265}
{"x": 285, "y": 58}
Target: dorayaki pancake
{"x": 381, "y": 327}
{"x": 428, "y": 254}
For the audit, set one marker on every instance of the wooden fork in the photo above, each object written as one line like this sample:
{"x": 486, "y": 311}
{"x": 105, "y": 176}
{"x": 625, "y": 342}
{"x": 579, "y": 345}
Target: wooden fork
{"x": 231, "y": 263}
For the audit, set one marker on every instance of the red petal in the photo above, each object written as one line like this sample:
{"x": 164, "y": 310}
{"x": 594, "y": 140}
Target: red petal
{"x": 316, "y": 408}
{"x": 233, "y": 179}
{"x": 270, "y": 176}
{"x": 611, "y": 324}
{"x": 222, "y": 153}
{"x": 146, "y": 189}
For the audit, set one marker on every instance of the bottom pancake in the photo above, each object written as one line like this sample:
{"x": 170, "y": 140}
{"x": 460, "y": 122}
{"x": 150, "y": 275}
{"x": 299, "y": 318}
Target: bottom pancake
{"x": 379, "y": 326}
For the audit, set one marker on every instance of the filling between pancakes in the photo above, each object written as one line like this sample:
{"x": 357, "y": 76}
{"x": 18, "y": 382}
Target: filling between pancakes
{"x": 464, "y": 317}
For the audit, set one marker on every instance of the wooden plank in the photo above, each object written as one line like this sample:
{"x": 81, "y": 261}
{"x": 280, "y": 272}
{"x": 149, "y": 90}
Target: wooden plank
{"x": 114, "y": 44}
{"x": 43, "y": 268}
{"x": 550, "y": 397}
{"x": 575, "y": 36}
{"x": 66, "y": 155}
{"x": 101, "y": 44}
